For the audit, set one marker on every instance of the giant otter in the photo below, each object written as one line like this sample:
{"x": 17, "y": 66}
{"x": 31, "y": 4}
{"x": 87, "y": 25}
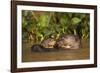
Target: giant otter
{"x": 39, "y": 48}
{"x": 46, "y": 45}
{"x": 68, "y": 42}
{"x": 62, "y": 43}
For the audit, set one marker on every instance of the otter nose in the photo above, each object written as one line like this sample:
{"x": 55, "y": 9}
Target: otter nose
{"x": 68, "y": 46}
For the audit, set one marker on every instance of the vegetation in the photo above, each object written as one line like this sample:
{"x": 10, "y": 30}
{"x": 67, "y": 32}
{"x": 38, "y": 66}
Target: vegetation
{"x": 39, "y": 25}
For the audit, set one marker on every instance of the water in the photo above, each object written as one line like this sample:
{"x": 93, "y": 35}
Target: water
{"x": 79, "y": 54}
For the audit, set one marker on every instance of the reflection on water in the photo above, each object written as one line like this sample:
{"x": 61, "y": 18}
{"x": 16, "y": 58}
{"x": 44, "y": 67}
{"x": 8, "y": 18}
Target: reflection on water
{"x": 82, "y": 53}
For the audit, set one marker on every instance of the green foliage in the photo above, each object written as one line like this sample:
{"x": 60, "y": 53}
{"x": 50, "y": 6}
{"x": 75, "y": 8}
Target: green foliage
{"x": 75, "y": 20}
{"x": 37, "y": 26}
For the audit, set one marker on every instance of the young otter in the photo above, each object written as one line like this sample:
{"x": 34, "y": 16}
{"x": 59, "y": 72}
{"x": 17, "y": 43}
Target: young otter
{"x": 68, "y": 42}
{"x": 48, "y": 43}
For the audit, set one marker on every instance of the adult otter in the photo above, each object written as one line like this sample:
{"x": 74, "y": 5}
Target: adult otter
{"x": 68, "y": 42}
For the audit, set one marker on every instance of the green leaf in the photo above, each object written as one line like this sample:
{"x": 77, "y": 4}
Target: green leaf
{"x": 24, "y": 23}
{"x": 82, "y": 16}
{"x": 70, "y": 15}
{"x": 75, "y": 20}
{"x": 43, "y": 20}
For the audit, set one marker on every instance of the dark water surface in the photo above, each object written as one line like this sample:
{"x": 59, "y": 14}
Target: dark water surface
{"x": 79, "y": 54}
